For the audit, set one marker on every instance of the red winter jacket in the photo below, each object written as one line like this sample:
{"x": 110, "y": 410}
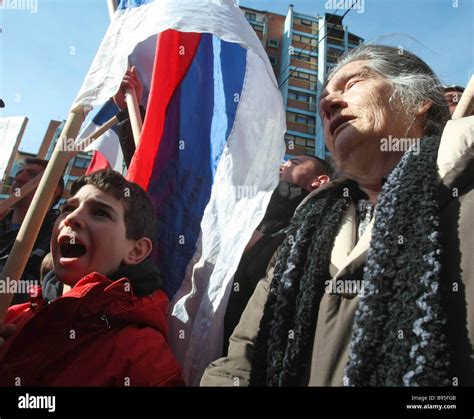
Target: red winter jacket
{"x": 97, "y": 334}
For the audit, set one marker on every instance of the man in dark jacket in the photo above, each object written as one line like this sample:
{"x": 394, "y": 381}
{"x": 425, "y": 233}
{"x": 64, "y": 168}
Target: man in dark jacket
{"x": 11, "y": 222}
{"x": 298, "y": 177}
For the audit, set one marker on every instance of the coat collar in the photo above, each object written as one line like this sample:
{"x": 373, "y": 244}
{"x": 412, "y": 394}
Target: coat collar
{"x": 95, "y": 295}
{"x": 455, "y": 162}
{"x": 456, "y": 150}
{"x": 456, "y": 158}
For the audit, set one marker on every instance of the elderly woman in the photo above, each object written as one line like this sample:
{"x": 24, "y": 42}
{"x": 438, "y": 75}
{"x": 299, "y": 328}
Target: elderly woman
{"x": 374, "y": 284}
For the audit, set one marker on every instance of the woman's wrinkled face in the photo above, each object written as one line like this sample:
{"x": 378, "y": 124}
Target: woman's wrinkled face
{"x": 357, "y": 111}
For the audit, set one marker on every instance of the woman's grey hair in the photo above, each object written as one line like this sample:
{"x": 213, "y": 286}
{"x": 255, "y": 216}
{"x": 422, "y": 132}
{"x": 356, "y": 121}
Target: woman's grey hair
{"x": 413, "y": 80}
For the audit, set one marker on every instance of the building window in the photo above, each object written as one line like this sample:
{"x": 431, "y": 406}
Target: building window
{"x": 293, "y": 140}
{"x": 336, "y": 41}
{"x": 313, "y": 41}
{"x": 257, "y": 28}
{"x": 301, "y": 97}
{"x": 307, "y": 59}
{"x": 251, "y": 16}
{"x": 301, "y": 119}
{"x": 304, "y": 76}
{"x": 303, "y": 57}
{"x": 297, "y": 77}
{"x": 307, "y": 121}
{"x": 273, "y": 43}
{"x": 333, "y": 55}
{"x": 273, "y": 60}
{"x": 301, "y": 75}
{"x": 306, "y": 22}
{"x": 304, "y": 98}
{"x": 81, "y": 162}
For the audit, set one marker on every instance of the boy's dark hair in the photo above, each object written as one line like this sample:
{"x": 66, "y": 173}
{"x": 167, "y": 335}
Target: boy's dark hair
{"x": 139, "y": 213}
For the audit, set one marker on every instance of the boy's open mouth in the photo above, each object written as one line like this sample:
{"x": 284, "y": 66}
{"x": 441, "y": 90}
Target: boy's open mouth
{"x": 70, "y": 247}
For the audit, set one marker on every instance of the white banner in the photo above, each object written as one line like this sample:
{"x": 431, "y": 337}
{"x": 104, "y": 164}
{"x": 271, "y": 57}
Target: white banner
{"x": 10, "y": 137}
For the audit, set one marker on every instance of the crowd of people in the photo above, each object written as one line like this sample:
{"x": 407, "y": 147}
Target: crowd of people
{"x": 358, "y": 275}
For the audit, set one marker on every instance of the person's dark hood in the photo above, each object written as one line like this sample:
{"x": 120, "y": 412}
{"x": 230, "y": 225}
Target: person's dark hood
{"x": 145, "y": 277}
{"x": 283, "y": 203}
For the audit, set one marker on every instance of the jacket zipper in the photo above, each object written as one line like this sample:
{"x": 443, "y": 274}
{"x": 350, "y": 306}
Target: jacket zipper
{"x": 104, "y": 318}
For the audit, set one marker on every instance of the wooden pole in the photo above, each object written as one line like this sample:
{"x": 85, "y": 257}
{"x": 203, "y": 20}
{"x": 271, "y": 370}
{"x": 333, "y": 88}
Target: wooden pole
{"x": 40, "y": 205}
{"x": 8, "y": 203}
{"x": 12, "y": 200}
{"x": 130, "y": 95}
{"x": 466, "y": 103}
{"x": 134, "y": 113}
{"x": 96, "y": 134}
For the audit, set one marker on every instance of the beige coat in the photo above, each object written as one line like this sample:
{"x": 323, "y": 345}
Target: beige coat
{"x": 337, "y": 310}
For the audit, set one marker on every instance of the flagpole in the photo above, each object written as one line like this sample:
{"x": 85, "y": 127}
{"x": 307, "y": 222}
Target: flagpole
{"x": 12, "y": 200}
{"x": 40, "y": 205}
{"x": 43, "y": 196}
{"x": 97, "y": 133}
{"x": 130, "y": 95}
{"x": 134, "y": 114}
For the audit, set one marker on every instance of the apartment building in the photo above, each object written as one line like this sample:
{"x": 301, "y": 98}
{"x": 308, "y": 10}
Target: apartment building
{"x": 302, "y": 49}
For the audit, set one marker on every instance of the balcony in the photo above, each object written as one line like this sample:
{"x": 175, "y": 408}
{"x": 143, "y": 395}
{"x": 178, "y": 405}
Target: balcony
{"x": 304, "y": 106}
{"x": 305, "y": 29}
{"x": 308, "y": 106}
{"x": 304, "y": 65}
{"x": 336, "y": 41}
{"x": 301, "y": 127}
{"x": 303, "y": 84}
{"x": 301, "y": 45}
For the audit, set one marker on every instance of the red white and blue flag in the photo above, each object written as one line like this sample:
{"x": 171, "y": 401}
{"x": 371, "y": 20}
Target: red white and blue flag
{"x": 209, "y": 153}
{"x": 107, "y": 150}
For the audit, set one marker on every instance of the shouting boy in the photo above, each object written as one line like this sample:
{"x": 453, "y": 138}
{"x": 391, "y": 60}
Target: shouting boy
{"x": 110, "y": 328}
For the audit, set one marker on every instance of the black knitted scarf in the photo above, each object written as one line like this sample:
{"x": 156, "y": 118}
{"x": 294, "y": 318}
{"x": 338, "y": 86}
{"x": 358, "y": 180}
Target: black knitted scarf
{"x": 398, "y": 336}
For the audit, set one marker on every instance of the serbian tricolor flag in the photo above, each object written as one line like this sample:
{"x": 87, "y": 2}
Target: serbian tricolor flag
{"x": 106, "y": 148}
{"x": 208, "y": 156}
{"x": 107, "y": 151}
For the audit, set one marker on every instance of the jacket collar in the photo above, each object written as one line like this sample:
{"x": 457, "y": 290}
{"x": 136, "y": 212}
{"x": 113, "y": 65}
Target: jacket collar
{"x": 96, "y": 296}
{"x": 456, "y": 157}
{"x": 455, "y": 167}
